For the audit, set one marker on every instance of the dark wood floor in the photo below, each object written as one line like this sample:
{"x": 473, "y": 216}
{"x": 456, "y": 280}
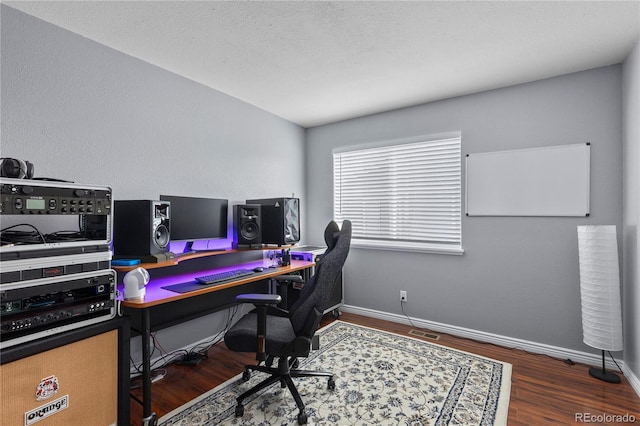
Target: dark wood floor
{"x": 544, "y": 390}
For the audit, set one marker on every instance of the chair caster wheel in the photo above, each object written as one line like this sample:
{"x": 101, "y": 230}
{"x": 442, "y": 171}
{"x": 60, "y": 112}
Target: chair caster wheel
{"x": 335, "y": 314}
{"x": 246, "y": 375}
{"x": 239, "y": 410}
{"x": 302, "y": 418}
{"x": 331, "y": 384}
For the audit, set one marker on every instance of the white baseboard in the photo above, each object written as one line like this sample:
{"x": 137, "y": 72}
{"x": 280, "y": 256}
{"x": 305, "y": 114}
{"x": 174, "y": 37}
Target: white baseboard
{"x": 632, "y": 378}
{"x": 481, "y": 336}
{"x": 505, "y": 341}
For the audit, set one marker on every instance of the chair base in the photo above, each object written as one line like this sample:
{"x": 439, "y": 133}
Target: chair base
{"x": 283, "y": 374}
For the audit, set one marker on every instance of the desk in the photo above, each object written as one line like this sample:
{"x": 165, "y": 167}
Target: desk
{"x": 157, "y": 296}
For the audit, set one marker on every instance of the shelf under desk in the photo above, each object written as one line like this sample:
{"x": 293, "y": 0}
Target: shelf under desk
{"x": 182, "y": 257}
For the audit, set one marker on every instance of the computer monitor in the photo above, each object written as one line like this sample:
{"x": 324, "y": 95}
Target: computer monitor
{"x": 194, "y": 218}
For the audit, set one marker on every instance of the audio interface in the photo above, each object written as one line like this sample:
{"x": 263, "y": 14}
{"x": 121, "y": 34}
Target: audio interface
{"x": 48, "y": 266}
{"x": 53, "y": 305}
{"x": 20, "y": 196}
{"x": 39, "y": 214}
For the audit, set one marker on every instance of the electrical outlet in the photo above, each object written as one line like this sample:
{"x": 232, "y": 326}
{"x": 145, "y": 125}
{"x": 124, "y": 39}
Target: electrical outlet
{"x": 403, "y": 296}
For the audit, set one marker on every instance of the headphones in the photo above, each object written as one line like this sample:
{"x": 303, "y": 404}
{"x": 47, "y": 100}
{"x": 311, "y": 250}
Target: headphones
{"x": 14, "y": 168}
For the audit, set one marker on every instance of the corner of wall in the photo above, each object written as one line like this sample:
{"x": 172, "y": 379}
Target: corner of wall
{"x": 631, "y": 210}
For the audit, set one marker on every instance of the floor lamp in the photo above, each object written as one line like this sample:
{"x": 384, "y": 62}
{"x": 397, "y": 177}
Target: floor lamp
{"x": 600, "y": 293}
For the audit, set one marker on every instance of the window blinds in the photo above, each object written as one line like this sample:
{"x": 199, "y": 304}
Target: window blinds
{"x": 401, "y": 196}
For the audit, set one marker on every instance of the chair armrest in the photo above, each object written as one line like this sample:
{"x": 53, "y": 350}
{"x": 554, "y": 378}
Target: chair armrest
{"x": 263, "y": 302}
{"x": 259, "y": 299}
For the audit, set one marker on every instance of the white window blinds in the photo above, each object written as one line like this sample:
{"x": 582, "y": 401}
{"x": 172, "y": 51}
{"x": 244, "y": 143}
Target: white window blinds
{"x": 404, "y": 196}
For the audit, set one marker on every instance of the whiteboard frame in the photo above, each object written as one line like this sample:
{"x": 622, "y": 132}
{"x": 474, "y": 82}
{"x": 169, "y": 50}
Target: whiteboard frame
{"x": 545, "y": 181}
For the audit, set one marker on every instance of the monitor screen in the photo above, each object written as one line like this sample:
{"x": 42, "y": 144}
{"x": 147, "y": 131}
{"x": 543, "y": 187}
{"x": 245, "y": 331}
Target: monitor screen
{"x": 195, "y": 218}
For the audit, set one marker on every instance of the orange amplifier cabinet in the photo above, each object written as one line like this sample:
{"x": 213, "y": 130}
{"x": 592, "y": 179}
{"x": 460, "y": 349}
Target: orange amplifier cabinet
{"x": 75, "y": 378}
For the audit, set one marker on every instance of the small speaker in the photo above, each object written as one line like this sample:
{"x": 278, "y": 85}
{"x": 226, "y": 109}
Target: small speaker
{"x": 280, "y": 220}
{"x": 141, "y": 227}
{"x": 247, "y": 226}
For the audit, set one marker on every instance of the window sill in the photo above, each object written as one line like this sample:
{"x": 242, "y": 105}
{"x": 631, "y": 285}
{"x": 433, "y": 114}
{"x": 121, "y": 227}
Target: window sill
{"x": 407, "y": 246}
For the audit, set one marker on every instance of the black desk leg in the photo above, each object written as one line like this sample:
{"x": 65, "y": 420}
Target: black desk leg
{"x": 148, "y": 418}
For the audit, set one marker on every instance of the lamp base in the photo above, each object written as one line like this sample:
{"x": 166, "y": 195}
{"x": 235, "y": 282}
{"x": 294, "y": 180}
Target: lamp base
{"x": 604, "y": 375}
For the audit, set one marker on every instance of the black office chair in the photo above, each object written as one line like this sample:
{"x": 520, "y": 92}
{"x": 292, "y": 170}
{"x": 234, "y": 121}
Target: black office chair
{"x": 273, "y": 333}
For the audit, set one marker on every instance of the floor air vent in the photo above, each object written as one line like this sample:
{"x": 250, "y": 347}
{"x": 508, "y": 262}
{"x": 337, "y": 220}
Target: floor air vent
{"x": 424, "y": 334}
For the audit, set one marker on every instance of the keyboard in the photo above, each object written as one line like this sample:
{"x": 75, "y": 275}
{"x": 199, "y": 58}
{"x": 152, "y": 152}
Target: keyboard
{"x": 224, "y": 276}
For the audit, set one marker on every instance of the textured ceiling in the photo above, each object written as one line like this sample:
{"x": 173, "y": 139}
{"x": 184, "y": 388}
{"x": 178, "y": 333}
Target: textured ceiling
{"x": 315, "y": 62}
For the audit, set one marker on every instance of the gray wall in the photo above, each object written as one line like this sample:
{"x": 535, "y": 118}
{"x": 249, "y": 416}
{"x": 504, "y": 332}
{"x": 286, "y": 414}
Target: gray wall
{"x": 84, "y": 112}
{"x": 518, "y": 276}
{"x": 631, "y": 214}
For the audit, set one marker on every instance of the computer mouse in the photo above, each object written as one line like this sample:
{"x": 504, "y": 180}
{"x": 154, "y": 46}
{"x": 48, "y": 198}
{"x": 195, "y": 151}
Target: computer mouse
{"x": 258, "y": 269}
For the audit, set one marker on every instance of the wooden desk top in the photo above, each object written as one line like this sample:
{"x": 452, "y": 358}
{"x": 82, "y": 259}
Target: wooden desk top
{"x": 156, "y": 295}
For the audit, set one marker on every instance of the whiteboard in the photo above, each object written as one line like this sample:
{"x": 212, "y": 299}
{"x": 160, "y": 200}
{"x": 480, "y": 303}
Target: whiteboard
{"x": 549, "y": 181}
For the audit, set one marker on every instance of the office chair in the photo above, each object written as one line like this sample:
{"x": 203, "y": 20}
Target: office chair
{"x": 273, "y": 333}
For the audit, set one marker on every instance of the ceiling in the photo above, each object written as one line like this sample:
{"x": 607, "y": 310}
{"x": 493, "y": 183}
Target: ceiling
{"x": 317, "y": 62}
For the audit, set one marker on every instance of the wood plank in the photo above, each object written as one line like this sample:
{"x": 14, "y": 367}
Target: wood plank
{"x": 544, "y": 390}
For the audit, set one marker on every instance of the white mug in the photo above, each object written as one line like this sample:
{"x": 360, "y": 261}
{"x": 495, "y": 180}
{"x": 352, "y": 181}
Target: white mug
{"x": 134, "y": 282}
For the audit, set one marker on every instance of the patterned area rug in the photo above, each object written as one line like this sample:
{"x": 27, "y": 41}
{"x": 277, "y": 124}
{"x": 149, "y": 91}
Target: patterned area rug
{"x": 381, "y": 378}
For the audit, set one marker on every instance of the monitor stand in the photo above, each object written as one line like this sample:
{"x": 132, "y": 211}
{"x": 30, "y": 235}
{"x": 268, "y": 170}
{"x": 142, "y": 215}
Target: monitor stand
{"x": 188, "y": 249}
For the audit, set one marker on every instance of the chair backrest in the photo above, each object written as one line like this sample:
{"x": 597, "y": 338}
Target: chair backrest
{"x": 316, "y": 293}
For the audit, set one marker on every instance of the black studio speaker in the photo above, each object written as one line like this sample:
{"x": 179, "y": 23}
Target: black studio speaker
{"x": 280, "y": 220}
{"x": 141, "y": 227}
{"x": 247, "y": 226}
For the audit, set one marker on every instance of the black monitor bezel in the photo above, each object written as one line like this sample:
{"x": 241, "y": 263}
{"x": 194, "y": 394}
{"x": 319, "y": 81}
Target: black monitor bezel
{"x": 220, "y": 232}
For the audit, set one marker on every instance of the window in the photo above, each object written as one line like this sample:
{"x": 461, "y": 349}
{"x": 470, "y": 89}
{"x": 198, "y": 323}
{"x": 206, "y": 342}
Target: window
{"x": 404, "y": 195}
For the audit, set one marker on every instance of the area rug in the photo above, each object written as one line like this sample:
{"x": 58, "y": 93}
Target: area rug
{"x": 381, "y": 379}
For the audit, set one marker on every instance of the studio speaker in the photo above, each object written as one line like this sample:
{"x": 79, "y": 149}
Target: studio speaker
{"x": 141, "y": 227}
{"x": 247, "y": 226}
{"x": 280, "y": 220}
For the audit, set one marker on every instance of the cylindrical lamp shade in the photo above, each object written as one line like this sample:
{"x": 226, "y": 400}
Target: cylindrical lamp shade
{"x": 600, "y": 287}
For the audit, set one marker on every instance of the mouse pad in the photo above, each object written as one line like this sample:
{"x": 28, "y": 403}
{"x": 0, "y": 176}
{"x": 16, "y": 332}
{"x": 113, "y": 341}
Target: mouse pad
{"x": 187, "y": 287}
